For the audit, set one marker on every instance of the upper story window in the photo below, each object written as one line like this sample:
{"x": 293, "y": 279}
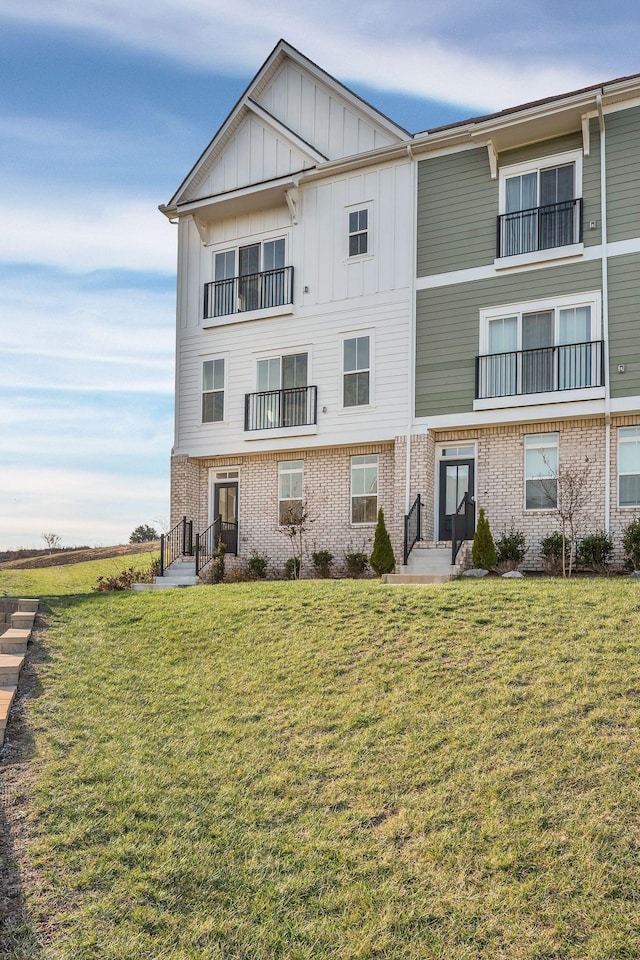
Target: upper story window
{"x": 540, "y": 347}
{"x": 541, "y": 471}
{"x": 358, "y": 232}
{"x": 283, "y": 398}
{"x": 629, "y": 467}
{"x": 356, "y": 376}
{"x": 251, "y": 277}
{"x": 213, "y": 391}
{"x": 282, "y": 373}
{"x": 540, "y": 206}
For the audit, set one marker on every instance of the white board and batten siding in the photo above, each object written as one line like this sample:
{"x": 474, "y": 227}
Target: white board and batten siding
{"x": 319, "y": 115}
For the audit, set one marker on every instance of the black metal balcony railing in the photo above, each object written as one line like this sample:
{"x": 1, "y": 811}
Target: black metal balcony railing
{"x": 295, "y": 407}
{"x": 540, "y": 228}
{"x": 570, "y": 366}
{"x": 257, "y": 291}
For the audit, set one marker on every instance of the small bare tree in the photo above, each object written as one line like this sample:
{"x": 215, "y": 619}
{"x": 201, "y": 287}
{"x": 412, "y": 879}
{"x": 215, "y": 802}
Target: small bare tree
{"x": 295, "y": 525}
{"x": 52, "y": 541}
{"x": 571, "y": 491}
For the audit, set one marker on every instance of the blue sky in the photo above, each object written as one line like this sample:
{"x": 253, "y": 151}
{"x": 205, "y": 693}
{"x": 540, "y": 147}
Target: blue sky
{"x": 104, "y": 108}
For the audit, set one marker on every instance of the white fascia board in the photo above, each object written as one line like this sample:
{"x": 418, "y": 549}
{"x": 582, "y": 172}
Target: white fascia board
{"x": 625, "y": 404}
{"x": 487, "y": 418}
{"x": 269, "y": 120}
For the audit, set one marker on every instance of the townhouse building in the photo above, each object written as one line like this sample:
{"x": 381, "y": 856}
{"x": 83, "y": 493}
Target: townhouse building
{"x": 424, "y": 323}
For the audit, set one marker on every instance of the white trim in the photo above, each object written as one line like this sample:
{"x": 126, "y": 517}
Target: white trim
{"x": 211, "y": 493}
{"x": 439, "y": 458}
{"x": 289, "y": 472}
{"x": 307, "y": 430}
{"x": 625, "y": 404}
{"x": 537, "y": 444}
{"x": 567, "y": 252}
{"x": 619, "y": 440}
{"x": 353, "y": 335}
{"x": 276, "y": 354}
{"x": 366, "y": 523}
{"x": 535, "y": 399}
{"x": 211, "y": 358}
{"x": 350, "y": 208}
{"x": 533, "y": 414}
{"x": 285, "y": 310}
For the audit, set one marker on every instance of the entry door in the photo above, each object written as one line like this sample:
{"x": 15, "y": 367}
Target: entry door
{"x": 225, "y": 506}
{"x": 456, "y": 479}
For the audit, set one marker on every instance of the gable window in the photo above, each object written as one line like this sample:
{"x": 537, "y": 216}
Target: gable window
{"x": 629, "y": 467}
{"x": 356, "y": 371}
{"x": 364, "y": 488}
{"x": 541, "y": 471}
{"x": 539, "y": 348}
{"x": 213, "y": 391}
{"x": 358, "y": 232}
{"x": 290, "y": 477}
{"x": 250, "y": 277}
{"x": 540, "y": 206}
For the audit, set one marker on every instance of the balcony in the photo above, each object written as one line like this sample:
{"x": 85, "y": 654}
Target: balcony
{"x": 256, "y": 291}
{"x": 278, "y": 409}
{"x": 571, "y": 366}
{"x": 540, "y": 228}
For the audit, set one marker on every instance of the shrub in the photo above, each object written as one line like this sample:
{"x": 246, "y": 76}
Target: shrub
{"x": 595, "y": 551}
{"x": 483, "y": 551}
{"x": 215, "y": 573}
{"x": 322, "y": 560}
{"x": 382, "y": 559}
{"x": 127, "y": 577}
{"x": 631, "y": 544}
{"x": 511, "y": 548}
{"x": 238, "y": 575}
{"x": 292, "y": 568}
{"x": 257, "y": 566}
{"x": 356, "y": 562}
{"x": 551, "y": 550}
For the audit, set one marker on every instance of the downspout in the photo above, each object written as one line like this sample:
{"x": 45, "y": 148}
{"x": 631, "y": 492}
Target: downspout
{"x": 412, "y": 326}
{"x": 605, "y": 316}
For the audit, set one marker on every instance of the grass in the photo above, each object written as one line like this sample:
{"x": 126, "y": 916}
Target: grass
{"x": 341, "y": 770}
{"x": 71, "y": 578}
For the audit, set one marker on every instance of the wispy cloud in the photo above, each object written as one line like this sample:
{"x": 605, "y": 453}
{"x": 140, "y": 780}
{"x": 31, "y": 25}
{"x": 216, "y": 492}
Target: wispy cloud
{"x": 406, "y": 46}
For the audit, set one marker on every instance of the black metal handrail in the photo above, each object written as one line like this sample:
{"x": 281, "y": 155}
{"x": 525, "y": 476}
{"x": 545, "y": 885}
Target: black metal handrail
{"x": 412, "y": 528}
{"x": 256, "y": 291}
{"x": 209, "y": 540}
{"x": 178, "y": 542}
{"x": 568, "y": 366}
{"x": 539, "y": 228}
{"x": 294, "y": 407}
{"x": 469, "y": 505}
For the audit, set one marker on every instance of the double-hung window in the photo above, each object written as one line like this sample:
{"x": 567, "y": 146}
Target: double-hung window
{"x": 290, "y": 480}
{"x": 541, "y": 471}
{"x": 358, "y": 232}
{"x": 629, "y": 467}
{"x": 213, "y": 391}
{"x": 540, "y": 207}
{"x": 356, "y": 371}
{"x": 364, "y": 488}
{"x": 539, "y": 348}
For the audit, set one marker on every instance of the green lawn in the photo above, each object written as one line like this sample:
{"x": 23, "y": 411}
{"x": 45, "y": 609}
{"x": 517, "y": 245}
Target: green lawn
{"x": 305, "y": 771}
{"x": 72, "y": 578}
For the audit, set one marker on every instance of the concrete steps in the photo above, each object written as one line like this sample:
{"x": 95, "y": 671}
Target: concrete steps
{"x": 18, "y": 618}
{"x": 181, "y": 573}
{"x": 429, "y": 562}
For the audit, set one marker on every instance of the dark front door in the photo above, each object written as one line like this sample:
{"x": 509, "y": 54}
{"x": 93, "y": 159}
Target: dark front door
{"x": 456, "y": 479}
{"x": 225, "y": 506}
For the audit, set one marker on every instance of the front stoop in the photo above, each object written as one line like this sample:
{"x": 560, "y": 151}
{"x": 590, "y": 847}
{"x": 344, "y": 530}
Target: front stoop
{"x": 181, "y": 573}
{"x": 13, "y": 647}
{"x": 429, "y": 562}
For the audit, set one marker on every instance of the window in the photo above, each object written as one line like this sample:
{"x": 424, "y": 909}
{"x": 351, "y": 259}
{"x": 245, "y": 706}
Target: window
{"x": 290, "y": 474}
{"x": 261, "y": 279}
{"x": 364, "y": 488}
{"x": 629, "y": 467}
{"x": 540, "y": 347}
{"x": 539, "y": 207}
{"x": 284, "y": 373}
{"x": 541, "y": 471}
{"x": 356, "y": 371}
{"x": 213, "y": 391}
{"x": 358, "y": 232}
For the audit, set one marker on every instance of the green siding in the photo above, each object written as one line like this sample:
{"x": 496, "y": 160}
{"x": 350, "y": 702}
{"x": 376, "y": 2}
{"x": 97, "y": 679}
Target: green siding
{"x": 542, "y": 148}
{"x": 447, "y": 328}
{"x": 623, "y": 174}
{"x": 591, "y": 188}
{"x": 624, "y": 324}
{"x": 457, "y": 210}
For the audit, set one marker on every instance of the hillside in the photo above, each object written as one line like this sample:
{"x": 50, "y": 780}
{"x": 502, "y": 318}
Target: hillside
{"x": 44, "y": 558}
{"x": 324, "y": 770}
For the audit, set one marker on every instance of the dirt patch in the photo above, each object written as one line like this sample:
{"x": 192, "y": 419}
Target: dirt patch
{"x": 80, "y": 556}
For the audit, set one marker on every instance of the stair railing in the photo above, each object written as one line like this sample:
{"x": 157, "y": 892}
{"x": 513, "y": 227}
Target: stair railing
{"x": 412, "y": 528}
{"x": 460, "y": 522}
{"x": 207, "y": 543}
{"x": 178, "y": 542}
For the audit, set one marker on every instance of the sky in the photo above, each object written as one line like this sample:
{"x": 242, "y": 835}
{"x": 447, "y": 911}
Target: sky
{"x": 104, "y": 107}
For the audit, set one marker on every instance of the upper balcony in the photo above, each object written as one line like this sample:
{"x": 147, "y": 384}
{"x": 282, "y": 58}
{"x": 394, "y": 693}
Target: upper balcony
{"x": 519, "y": 373}
{"x": 255, "y": 291}
{"x": 294, "y": 407}
{"x": 539, "y": 228}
